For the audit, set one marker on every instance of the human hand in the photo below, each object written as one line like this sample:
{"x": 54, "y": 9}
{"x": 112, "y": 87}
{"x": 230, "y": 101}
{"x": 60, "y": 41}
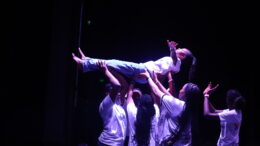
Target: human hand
{"x": 210, "y": 89}
{"x": 172, "y": 44}
{"x": 145, "y": 74}
{"x": 155, "y": 77}
{"x": 102, "y": 65}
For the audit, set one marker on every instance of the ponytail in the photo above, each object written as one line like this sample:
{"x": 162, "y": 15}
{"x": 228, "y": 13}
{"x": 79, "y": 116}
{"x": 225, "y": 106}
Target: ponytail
{"x": 192, "y": 68}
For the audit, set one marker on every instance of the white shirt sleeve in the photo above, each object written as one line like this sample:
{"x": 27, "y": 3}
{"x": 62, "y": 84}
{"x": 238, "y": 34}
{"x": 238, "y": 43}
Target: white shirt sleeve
{"x": 228, "y": 115}
{"x": 163, "y": 65}
{"x": 173, "y": 105}
{"x": 106, "y": 106}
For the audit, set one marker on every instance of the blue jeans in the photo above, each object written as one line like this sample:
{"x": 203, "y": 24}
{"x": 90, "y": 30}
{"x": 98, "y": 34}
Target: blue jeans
{"x": 126, "y": 68}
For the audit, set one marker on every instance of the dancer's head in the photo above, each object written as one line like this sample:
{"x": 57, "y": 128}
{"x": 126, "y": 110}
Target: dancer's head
{"x": 190, "y": 93}
{"x": 234, "y": 99}
{"x": 183, "y": 53}
{"x": 144, "y": 117}
{"x": 188, "y": 61}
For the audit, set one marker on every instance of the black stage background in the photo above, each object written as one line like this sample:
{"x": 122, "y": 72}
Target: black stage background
{"x": 45, "y": 105}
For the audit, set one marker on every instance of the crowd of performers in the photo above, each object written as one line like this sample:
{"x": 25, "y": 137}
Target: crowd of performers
{"x": 165, "y": 117}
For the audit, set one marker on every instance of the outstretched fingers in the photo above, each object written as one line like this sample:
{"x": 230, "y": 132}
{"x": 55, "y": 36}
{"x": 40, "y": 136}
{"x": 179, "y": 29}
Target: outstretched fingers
{"x": 214, "y": 88}
{"x": 210, "y": 89}
{"x": 102, "y": 64}
{"x": 172, "y": 43}
{"x": 155, "y": 77}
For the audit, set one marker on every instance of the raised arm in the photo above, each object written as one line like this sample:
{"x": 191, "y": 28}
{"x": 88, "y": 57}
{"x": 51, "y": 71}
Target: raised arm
{"x": 122, "y": 81}
{"x": 116, "y": 84}
{"x": 159, "y": 84}
{"x": 209, "y": 109}
{"x": 130, "y": 92}
{"x": 171, "y": 85}
{"x": 172, "y": 45}
{"x": 153, "y": 86}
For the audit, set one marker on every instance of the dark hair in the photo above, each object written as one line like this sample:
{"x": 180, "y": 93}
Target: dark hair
{"x": 134, "y": 94}
{"x": 235, "y": 99}
{"x": 187, "y": 71}
{"x": 192, "y": 68}
{"x": 190, "y": 114}
{"x": 189, "y": 65}
{"x": 108, "y": 87}
{"x": 143, "y": 124}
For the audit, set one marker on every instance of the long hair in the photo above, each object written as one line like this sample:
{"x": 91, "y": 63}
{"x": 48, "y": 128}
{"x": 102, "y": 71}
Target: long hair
{"x": 187, "y": 71}
{"x": 189, "y": 66}
{"x": 143, "y": 124}
{"x": 190, "y": 114}
{"x": 193, "y": 111}
{"x": 192, "y": 69}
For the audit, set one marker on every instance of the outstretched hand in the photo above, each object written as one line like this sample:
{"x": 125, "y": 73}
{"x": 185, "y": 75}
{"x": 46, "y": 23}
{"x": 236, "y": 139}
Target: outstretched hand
{"x": 210, "y": 89}
{"x": 145, "y": 74}
{"x": 102, "y": 65}
{"x": 172, "y": 44}
{"x": 155, "y": 77}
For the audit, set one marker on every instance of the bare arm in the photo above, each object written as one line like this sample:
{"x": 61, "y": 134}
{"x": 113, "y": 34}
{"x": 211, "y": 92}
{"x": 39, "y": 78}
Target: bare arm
{"x": 160, "y": 86}
{"x": 153, "y": 86}
{"x": 171, "y": 85}
{"x": 172, "y": 45}
{"x": 209, "y": 109}
{"x": 206, "y": 110}
{"x": 112, "y": 79}
{"x": 212, "y": 109}
{"x": 130, "y": 93}
{"x": 122, "y": 81}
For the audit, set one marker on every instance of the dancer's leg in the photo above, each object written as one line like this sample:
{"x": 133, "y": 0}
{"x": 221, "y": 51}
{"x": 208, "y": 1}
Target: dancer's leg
{"x": 78, "y": 61}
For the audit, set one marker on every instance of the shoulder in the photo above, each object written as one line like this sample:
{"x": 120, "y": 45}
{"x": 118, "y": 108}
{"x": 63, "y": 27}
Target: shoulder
{"x": 107, "y": 100}
{"x": 228, "y": 112}
{"x": 230, "y": 115}
{"x": 168, "y": 98}
{"x": 165, "y": 58}
{"x": 172, "y": 102}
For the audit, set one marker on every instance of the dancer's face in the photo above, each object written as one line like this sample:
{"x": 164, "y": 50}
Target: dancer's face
{"x": 182, "y": 53}
{"x": 182, "y": 93}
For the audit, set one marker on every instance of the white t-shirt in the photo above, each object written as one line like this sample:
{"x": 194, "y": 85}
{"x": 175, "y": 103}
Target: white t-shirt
{"x": 171, "y": 109}
{"x": 163, "y": 65}
{"x": 114, "y": 122}
{"x": 131, "y": 112}
{"x": 230, "y": 122}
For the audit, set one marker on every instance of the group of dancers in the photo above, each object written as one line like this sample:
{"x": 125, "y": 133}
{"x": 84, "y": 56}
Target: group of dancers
{"x": 162, "y": 118}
